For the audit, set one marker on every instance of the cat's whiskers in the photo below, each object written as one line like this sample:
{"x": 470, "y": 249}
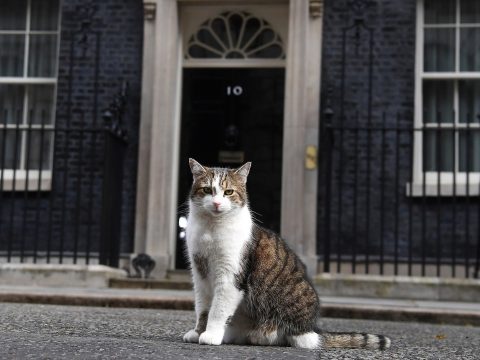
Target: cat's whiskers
{"x": 255, "y": 216}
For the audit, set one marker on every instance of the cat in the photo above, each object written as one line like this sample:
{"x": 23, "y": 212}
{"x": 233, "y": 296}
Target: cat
{"x": 249, "y": 286}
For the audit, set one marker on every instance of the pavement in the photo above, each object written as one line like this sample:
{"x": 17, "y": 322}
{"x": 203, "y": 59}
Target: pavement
{"x": 32, "y": 331}
{"x": 439, "y": 312}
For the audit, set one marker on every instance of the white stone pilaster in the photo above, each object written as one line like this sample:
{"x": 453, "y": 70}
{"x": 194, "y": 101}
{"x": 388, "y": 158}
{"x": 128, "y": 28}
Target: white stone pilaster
{"x": 144, "y": 145}
{"x": 302, "y": 94}
{"x": 156, "y": 211}
{"x": 157, "y": 187}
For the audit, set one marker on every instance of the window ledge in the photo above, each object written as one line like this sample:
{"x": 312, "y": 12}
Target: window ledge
{"x": 16, "y": 180}
{"x": 419, "y": 189}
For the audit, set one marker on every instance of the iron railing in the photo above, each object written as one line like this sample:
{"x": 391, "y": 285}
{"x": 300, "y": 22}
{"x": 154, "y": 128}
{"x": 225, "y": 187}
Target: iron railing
{"x": 387, "y": 207}
{"x": 61, "y": 199}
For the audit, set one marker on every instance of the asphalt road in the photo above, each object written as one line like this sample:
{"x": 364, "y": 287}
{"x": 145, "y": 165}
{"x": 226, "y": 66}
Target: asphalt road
{"x": 68, "y": 332}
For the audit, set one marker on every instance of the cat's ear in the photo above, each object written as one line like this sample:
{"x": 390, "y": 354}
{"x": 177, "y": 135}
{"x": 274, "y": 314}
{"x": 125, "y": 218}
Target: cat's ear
{"x": 244, "y": 170}
{"x": 196, "y": 168}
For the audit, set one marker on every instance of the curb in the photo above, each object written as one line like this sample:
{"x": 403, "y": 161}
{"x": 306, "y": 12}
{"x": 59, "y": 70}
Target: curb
{"x": 432, "y": 316}
{"x": 167, "y": 303}
{"x": 331, "y": 310}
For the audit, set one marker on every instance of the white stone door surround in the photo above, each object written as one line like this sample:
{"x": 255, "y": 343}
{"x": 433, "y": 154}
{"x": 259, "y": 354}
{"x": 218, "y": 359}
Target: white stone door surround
{"x": 156, "y": 205}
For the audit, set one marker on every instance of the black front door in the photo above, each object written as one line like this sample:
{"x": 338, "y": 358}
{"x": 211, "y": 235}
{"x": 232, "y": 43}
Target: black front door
{"x": 231, "y": 116}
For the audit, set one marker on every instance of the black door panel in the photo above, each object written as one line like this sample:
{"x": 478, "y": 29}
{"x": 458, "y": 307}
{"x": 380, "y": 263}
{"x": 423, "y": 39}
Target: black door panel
{"x": 230, "y": 116}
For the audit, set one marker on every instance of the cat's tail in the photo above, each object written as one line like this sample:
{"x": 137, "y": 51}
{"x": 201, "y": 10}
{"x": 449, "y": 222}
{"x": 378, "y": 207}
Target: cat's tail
{"x": 355, "y": 340}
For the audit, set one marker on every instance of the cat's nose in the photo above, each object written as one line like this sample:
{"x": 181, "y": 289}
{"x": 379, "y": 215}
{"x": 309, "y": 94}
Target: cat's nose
{"x": 217, "y": 203}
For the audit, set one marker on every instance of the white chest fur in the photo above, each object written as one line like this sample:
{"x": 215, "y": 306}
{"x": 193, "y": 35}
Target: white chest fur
{"x": 220, "y": 240}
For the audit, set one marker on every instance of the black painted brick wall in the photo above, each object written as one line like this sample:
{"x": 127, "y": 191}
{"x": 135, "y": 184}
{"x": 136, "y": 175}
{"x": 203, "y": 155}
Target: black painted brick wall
{"x": 120, "y": 27}
{"x": 447, "y": 222}
{"x": 70, "y": 212}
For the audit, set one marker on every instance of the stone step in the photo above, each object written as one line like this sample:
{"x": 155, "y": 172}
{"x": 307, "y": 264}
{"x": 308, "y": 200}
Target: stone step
{"x": 179, "y": 275}
{"x": 176, "y": 280}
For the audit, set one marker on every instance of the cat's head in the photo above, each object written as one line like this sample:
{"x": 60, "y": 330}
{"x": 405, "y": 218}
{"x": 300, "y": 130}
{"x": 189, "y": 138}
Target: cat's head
{"x": 219, "y": 191}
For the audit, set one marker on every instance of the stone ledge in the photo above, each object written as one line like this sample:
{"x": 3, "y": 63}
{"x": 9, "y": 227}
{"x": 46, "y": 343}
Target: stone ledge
{"x": 58, "y": 275}
{"x": 398, "y": 287}
{"x": 432, "y": 316}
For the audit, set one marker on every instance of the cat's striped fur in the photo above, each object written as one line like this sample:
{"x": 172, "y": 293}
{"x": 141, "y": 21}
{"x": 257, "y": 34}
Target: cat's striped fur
{"x": 250, "y": 287}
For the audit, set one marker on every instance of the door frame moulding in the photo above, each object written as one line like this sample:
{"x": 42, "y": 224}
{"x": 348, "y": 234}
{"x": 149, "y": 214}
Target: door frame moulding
{"x": 156, "y": 204}
{"x": 214, "y": 63}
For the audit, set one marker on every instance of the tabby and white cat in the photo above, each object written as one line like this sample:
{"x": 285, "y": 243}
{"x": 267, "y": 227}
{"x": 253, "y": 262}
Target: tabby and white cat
{"x": 250, "y": 287}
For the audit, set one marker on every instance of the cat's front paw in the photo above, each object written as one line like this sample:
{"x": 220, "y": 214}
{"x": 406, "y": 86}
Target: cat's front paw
{"x": 191, "y": 337}
{"x": 211, "y": 338}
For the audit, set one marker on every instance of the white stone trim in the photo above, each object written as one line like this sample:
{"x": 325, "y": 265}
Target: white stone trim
{"x": 418, "y": 141}
{"x": 160, "y": 127}
{"x": 243, "y": 63}
{"x": 144, "y": 146}
{"x": 316, "y": 8}
{"x": 16, "y": 180}
{"x": 159, "y": 138}
{"x": 443, "y": 189}
{"x": 149, "y": 10}
{"x": 301, "y": 129}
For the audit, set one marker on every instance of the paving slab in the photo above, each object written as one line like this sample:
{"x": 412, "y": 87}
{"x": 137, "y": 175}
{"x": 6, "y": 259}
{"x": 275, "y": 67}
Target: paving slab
{"x": 31, "y": 331}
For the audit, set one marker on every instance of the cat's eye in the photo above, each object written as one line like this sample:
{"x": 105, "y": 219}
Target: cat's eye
{"x": 207, "y": 190}
{"x": 228, "y": 192}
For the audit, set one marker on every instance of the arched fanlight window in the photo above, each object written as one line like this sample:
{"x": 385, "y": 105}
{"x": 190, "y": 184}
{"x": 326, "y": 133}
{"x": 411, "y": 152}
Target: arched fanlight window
{"x": 235, "y": 35}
